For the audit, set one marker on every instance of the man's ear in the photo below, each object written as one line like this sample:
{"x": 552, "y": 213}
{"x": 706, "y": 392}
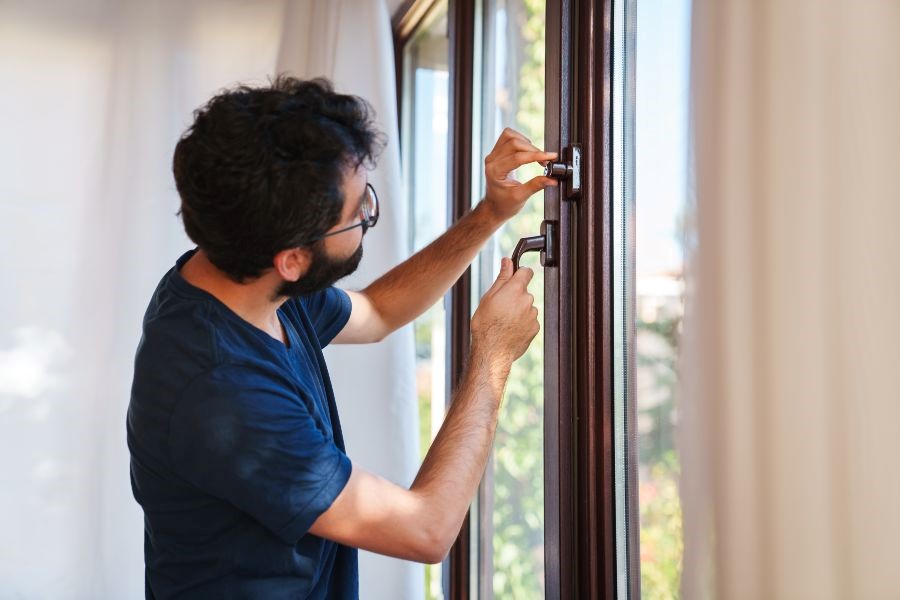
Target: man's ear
{"x": 293, "y": 263}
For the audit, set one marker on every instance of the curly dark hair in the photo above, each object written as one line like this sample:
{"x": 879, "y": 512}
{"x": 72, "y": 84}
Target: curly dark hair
{"x": 260, "y": 170}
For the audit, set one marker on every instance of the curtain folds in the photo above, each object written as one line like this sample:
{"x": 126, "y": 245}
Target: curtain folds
{"x": 791, "y": 398}
{"x": 351, "y": 43}
{"x": 96, "y": 93}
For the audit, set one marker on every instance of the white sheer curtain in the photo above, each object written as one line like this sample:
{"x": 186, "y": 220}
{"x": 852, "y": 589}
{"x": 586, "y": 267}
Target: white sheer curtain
{"x": 791, "y": 400}
{"x": 350, "y": 42}
{"x": 95, "y": 95}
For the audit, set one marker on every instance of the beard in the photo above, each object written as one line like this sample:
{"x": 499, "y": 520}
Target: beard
{"x": 323, "y": 272}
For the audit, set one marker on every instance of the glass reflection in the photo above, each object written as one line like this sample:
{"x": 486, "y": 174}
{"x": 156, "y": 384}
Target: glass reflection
{"x": 510, "y": 93}
{"x": 663, "y": 34}
{"x": 425, "y": 146}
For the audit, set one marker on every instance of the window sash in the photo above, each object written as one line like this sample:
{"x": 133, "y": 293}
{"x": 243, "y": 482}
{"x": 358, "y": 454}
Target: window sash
{"x": 586, "y": 554}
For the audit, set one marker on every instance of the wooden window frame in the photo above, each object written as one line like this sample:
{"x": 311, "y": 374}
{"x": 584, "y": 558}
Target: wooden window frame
{"x": 579, "y": 527}
{"x": 405, "y": 22}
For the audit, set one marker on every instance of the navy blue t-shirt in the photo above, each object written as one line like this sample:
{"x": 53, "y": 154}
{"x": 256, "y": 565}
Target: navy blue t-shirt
{"x": 236, "y": 448}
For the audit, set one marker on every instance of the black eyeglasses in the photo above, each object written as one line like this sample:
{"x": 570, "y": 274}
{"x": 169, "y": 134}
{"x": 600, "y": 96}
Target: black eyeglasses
{"x": 368, "y": 211}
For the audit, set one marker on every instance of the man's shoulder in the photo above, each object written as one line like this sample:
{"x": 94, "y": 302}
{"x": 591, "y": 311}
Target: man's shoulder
{"x": 323, "y": 313}
{"x": 177, "y": 330}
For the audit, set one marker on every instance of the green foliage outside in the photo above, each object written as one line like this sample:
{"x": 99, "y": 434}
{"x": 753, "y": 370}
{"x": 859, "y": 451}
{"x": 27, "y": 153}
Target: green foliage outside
{"x": 518, "y": 511}
{"x": 661, "y": 541}
{"x": 422, "y": 331}
{"x": 660, "y": 505}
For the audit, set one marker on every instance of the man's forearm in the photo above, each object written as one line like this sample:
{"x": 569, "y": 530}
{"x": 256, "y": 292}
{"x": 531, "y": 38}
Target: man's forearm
{"x": 455, "y": 463}
{"x": 413, "y": 286}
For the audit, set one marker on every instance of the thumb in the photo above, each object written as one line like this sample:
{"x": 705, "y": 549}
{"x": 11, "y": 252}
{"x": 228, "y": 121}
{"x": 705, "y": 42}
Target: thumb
{"x": 506, "y": 272}
{"x": 539, "y": 183}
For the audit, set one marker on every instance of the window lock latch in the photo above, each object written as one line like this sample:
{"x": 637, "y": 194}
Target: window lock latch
{"x": 568, "y": 170}
{"x": 546, "y": 242}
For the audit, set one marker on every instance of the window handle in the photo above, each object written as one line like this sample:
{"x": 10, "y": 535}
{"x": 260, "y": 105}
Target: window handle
{"x": 546, "y": 243}
{"x": 567, "y": 170}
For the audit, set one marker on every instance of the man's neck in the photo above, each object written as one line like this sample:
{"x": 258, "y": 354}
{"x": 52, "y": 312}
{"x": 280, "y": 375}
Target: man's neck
{"x": 250, "y": 301}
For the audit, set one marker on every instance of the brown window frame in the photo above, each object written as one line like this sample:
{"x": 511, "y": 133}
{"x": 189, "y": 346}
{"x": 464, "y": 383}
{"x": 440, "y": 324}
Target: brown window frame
{"x": 580, "y": 529}
{"x": 405, "y": 22}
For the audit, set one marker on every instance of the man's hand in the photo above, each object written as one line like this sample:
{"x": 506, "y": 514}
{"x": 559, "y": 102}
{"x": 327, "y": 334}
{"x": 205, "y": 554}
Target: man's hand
{"x": 506, "y": 319}
{"x": 410, "y": 288}
{"x": 506, "y": 196}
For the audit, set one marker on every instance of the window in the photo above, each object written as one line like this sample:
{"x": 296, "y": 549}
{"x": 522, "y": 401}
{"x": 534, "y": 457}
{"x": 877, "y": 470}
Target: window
{"x": 579, "y": 498}
{"x": 661, "y": 117}
{"x": 509, "y": 92}
{"x": 425, "y": 117}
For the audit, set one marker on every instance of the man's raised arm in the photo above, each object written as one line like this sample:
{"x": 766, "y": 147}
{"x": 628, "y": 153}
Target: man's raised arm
{"x": 413, "y": 286}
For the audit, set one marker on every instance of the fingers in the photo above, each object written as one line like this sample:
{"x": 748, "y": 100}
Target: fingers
{"x": 538, "y": 183}
{"x": 510, "y": 141}
{"x": 506, "y": 277}
{"x": 522, "y": 277}
{"x": 500, "y": 167}
{"x": 511, "y": 146}
{"x": 506, "y": 269}
{"x": 506, "y": 272}
{"x": 507, "y": 134}
{"x": 515, "y": 144}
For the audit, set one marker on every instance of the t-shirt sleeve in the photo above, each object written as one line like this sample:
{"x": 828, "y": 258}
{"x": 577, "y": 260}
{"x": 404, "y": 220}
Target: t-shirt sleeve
{"x": 248, "y": 442}
{"x": 329, "y": 310}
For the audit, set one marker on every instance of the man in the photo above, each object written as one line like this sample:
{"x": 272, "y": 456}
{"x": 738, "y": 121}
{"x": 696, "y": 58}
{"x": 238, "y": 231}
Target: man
{"x": 237, "y": 455}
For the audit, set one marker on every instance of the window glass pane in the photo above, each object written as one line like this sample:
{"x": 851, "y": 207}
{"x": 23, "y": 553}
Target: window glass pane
{"x": 510, "y": 93}
{"x": 425, "y": 100}
{"x": 661, "y": 157}
{"x": 622, "y": 234}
